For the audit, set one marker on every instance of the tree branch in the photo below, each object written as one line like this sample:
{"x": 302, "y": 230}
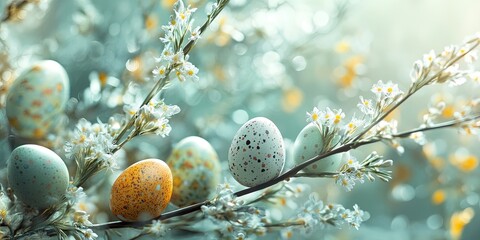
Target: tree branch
{"x": 294, "y": 172}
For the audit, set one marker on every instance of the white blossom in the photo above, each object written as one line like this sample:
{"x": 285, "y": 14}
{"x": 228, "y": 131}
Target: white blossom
{"x": 89, "y": 234}
{"x": 314, "y": 115}
{"x": 353, "y": 125}
{"x": 429, "y": 58}
{"x": 154, "y": 118}
{"x": 156, "y": 228}
{"x": 366, "y": 106}
{"x": 91, "y": 142}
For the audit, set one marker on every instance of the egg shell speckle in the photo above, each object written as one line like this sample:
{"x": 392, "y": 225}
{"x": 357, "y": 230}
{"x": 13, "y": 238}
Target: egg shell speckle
{"x": 196, "y": 171}
{"x": 142, "y": 191}
{"x": 257, "y": 152}
{"x": 36, "y": 99}
{"x": 37, "y": 175}
{"x": 308, "y": 144}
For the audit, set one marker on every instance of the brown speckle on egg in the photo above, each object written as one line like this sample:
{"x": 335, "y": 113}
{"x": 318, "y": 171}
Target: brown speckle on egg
{"x": 196, "y": 169}
{"x": 142, "y": 191}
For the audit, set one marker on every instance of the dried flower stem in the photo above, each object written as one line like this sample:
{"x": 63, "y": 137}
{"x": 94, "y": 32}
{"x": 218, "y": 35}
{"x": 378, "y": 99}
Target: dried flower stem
{"x": 294, "y": 172}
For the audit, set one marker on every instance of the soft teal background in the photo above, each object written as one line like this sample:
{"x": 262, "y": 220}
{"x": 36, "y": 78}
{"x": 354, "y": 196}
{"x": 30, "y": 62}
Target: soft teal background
{"x": 390, "y": 35}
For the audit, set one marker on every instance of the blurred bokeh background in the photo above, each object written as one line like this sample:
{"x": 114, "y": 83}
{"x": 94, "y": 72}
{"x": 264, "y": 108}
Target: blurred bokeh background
{"x": 277, "y": 59}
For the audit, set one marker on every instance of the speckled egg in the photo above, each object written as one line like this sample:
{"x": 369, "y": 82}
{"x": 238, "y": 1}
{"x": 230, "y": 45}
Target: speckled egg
{"x": 257, "y": 153}
{"x": 37, "y": 175}
{"x": 142, "y": 191}
{"x": 308, "y": 144}
{"x": 36, "y": 99}
{"x": 196, "y": 171}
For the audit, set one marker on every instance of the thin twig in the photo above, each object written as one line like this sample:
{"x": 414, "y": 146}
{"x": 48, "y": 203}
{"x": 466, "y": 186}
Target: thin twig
{"x": 285, "y": 224}
{"x": 317, "y": 175}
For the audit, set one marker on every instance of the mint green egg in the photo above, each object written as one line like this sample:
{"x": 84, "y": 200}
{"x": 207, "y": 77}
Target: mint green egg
{"x": 38, "y": 176}
{"x": 308, "y": 144}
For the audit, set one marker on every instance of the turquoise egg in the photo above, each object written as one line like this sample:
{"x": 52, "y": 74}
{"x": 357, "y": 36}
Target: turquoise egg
{"x": 37, "y": 98}
{"x": 308, "y": 144}
{"x": 195, "y": 169}
{"x": 37, "y": 175}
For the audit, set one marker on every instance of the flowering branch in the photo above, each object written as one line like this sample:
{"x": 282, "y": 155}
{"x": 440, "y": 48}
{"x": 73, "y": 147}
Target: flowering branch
{"x": 163, "y": 73}
{"x": 294, "y": 172}
{"x": 152, "y": 116}
{"x": 92, "y": 146}
{"x": 422, "y": 79}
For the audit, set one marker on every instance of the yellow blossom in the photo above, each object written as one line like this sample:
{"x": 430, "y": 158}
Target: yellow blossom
{"x": 438, "y": 197}
{"x": 464, "y": 163}
{"x": 458, "y": 221}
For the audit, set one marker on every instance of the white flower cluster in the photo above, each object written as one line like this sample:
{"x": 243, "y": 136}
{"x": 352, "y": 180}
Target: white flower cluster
{"x": 74, "y": 194}
{"x": 152, "y": 117}
{"x": 67, "y": 219}
{"x": 286, "y": 195}
{"x": 315, "y": 213}
{"x": 233, "y": 215}
{"x": 354, "y": 171}
{"x": 172, "y": 57}
{"x": 13, "y": 213}
{"x": 469, "y": 127}
{"x": 332, "y": 121}
{"x": 434, "y": 112}
{"x": 156, "y": 228}
{"x": 92, "y": 142}
{"x": 385, "y": 95}
{"x": 350, "y": 173}
{"x": 77, "y": 216}
{"x": 445, "y": 66}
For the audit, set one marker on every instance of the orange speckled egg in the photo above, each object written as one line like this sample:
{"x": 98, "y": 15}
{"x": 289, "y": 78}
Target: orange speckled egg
{"x": 142, "y": 191}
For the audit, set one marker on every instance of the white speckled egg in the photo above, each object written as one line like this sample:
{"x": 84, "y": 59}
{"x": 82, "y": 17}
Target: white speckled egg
{"x": 308, "y": 144}
{"x": 195, "y": 169}
{"x": 37, "y": 175}
{"x": 36, "y": 99}
{"x": 257, "y": 153}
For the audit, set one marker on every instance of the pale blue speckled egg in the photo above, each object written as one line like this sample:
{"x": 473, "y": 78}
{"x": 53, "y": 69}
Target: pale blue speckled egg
{"x": 195, "y": 169}
{"x": 37, "y": 175}
{"x": 36, "y": 99}
{"x": 257, "y": 152}
{"x": 308, "y": 144}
